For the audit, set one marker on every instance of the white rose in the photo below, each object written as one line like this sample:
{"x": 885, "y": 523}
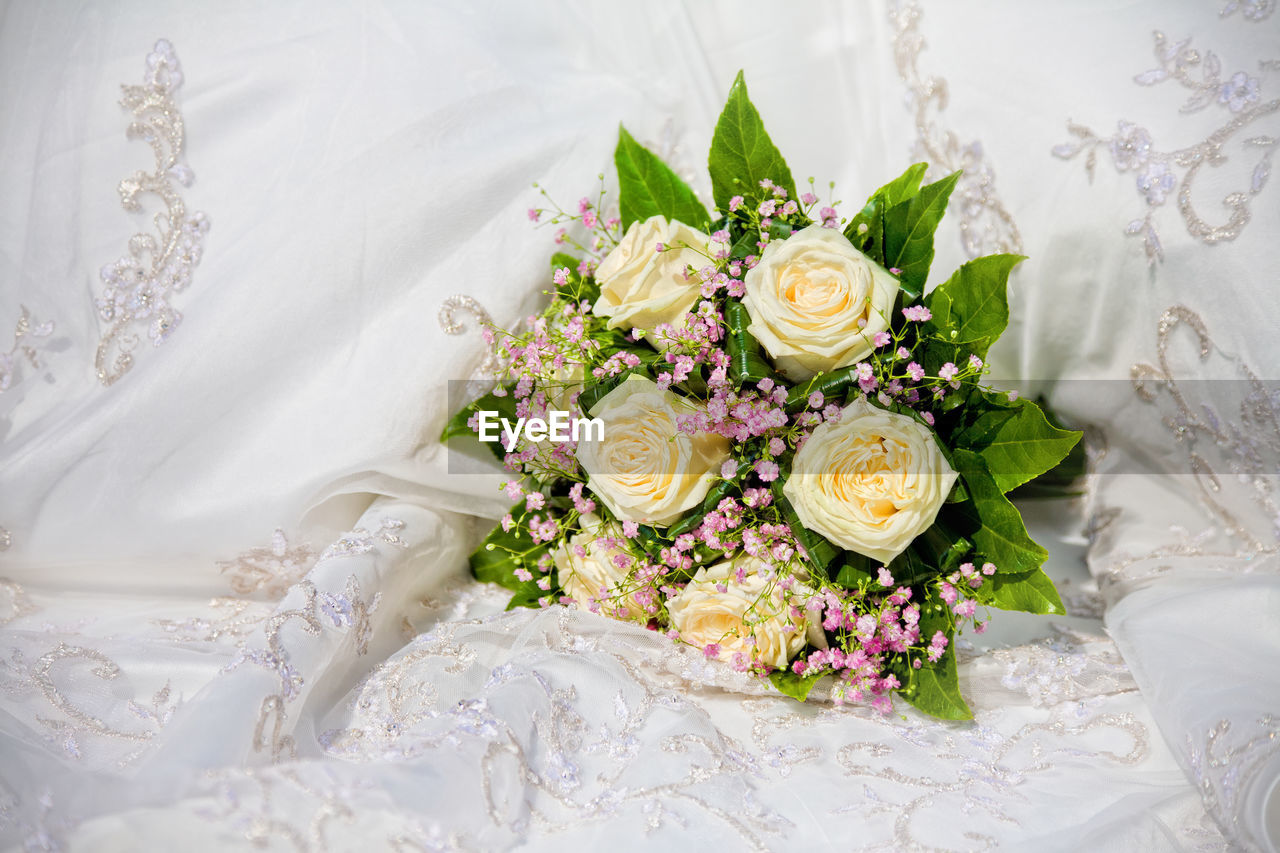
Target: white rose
{"x": 645, "y": 470}
{"x": 870, "y": 483}
{"x": 595, "y": 576}
{"x": 641, "y": 287}
{"x": 703, "y": 615}
{"x": 816, "y": 302}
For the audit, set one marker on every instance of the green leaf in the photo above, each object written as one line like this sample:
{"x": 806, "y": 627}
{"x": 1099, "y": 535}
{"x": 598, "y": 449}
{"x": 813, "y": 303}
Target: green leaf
{"x": 821, "y": 552}
{"x": 790, "y": 684}
{"x": 504, "y": 405}
{"x": 989, "y": 520}
{"x": 934, "y": 688}
{"x": 527, "y": 595}
{"x": 1017, "y": 442}
{"x": 647, "y": 187}
{"x": 503, "y": 551}
{"x": 746, "y": 361}
{"x": 908, "y": 233}
{"x": 1030, "y": 592}
{"x": 715, "y": 494}
{"x": 742, "y": 154}
{"x": 1063, "y": 479}
{"x": 973, "y": 303}
{"x": 870, "y": 241}
{"x": 578, "y": 287}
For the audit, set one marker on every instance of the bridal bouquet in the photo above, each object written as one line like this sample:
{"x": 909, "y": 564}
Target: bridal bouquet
{"x": 754, "y": 431}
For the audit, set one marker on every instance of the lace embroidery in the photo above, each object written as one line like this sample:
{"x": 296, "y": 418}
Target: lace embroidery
{"x": 580, "y": 754}
{"x": 14, "y": 603}
{"x": 138, "y": 287}
{"x": 10, "y": 361}
{"x": 348, "y": 610}
{"x": 271, "y": 570}
{"x": 1226, "y": 758}
{"x": 1157, "y": 178}
{"x": 1246, "y": 443}
{"x": 1066, "y": 667}
{"x": 986, "y": 226}
{"x": 1253, "y": 11}
{"x": 451, "y": 325}
{"x": 67, "y": 732}
{"x": 233, "y": 619}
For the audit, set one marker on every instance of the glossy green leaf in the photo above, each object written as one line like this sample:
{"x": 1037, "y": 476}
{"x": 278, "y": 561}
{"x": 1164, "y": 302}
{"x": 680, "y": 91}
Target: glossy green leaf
{"x": 974, "y": 303}
{"x": 647, "y": 187}
{"x": 866, "y": 230}
{"x": 1017, "y": 442}
{"x": 935, "y": 687}
{"x": 742, "y": 154}
{"x": 989, "y": 520}
{"x": 908, "y": 233}
{"x": 1030, "y": 592}
{"x": 790, "y": 684}
{"x": 503, "y": 551}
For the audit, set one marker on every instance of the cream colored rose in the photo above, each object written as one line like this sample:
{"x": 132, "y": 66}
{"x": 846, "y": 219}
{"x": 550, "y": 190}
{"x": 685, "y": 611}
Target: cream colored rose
{"x": 870, "y": 483}
{"x": 756, "y": 608}
{"x": 594, "y": 575}
{"x": 644, "y": 469}
{"x": 816, "y": 302}
{"x": 641, "y": 287}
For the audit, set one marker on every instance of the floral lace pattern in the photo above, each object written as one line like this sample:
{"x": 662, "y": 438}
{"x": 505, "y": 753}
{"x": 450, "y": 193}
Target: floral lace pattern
{"x": 986, "y": 226}
{"x": 1163, "y": 174}
{"x": 269, "y": 571}
{"x": 24, "y": 348}
{"x": 139, "y": 286}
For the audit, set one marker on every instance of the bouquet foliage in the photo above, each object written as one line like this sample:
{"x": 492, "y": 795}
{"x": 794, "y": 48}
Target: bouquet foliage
{"x": 782, "y": 451}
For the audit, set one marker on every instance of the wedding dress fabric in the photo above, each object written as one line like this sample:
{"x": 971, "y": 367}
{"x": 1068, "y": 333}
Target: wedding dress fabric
{"x": 235, "y": 609}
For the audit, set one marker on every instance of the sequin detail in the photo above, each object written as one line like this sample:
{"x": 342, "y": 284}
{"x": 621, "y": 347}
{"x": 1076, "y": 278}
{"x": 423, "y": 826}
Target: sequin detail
{"x": 986, "y": 226}
{"x": 269, "y": 571}
{"x": 138, "y": 287}
{"x": 24, "y": 348}
{"x": 1162, "y": 174}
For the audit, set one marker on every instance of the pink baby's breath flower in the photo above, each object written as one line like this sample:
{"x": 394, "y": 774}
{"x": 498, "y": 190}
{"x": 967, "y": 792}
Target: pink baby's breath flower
{"x": 919, "y": 313}
{"x": 882, "y": 339}
{"x": 630, "y": 529}
{"x": 975, "y": 362}
{"x": 711, "y": 651}
{"x": 915, "y": 371}
{"x": 816, "y": 400}
{"x": 904, "y": 353}
{"x": 534, "y": 500}
{"x": 767, "y": 470}
{"x": 513, "y": 489}
{"x": 729, "y": 469}
{"x": 1013, "y": 395}
{"x": 948, "y": 372}
{"x": 928, "y": 417}
{"x": 885, "y": 577}
{"x": 808, "y": 199}
{"x": 735, "y": 203}
{"x": 523, "y": 575}
{"x": 561, "y": 276}
{"x": 534, "y": 214}
{"x": 988, "y": 569}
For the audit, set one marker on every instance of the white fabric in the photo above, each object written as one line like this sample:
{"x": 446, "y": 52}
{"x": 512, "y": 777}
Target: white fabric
{"x": 361, "y": 164}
